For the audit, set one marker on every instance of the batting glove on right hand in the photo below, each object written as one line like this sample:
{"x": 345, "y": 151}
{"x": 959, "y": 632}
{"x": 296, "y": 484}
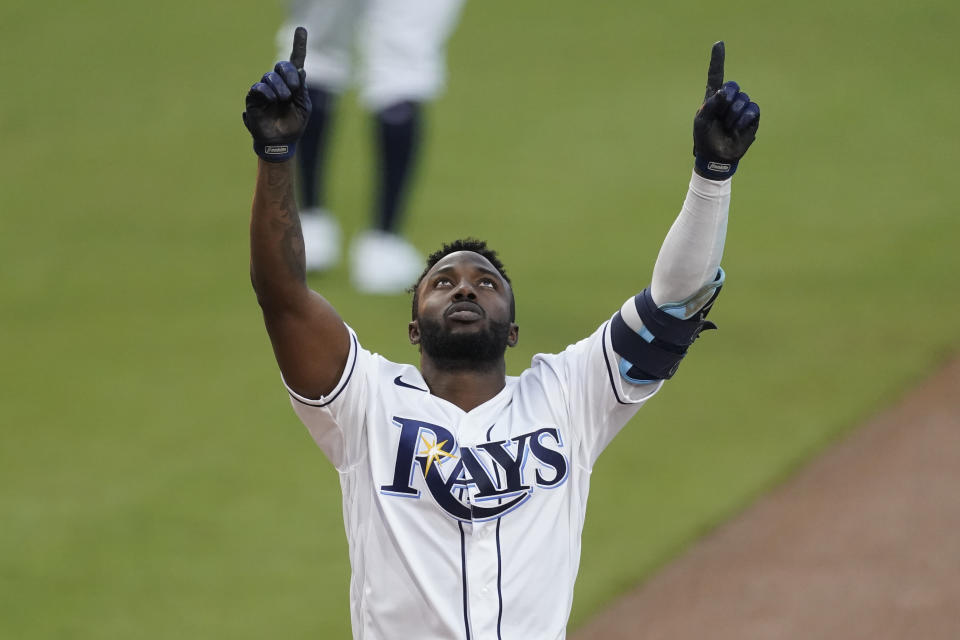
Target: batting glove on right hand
{"x": 278, "y": 106}
{"x": 725, "y": 125}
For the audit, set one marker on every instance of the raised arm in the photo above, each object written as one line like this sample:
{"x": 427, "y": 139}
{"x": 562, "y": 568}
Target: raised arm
{"x": 724, "y": 128}
{"x": 653, "y": 330}
{"x": 310, "y": 341}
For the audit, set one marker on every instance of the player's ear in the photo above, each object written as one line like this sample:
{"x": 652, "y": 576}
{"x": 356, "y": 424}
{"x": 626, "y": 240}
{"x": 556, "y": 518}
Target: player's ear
{"x": 413, "y": 331}
{"x": 513, "y": 336}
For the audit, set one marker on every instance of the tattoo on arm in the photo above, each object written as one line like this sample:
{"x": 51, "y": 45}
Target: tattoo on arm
{"x": 286, "y": 220}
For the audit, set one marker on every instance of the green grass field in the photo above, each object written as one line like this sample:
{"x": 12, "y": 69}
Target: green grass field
{"x": 154, "y": 482}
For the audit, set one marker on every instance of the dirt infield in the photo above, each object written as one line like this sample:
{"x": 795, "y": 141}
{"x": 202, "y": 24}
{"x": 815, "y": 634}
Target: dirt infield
{"x": 862, "y": 543}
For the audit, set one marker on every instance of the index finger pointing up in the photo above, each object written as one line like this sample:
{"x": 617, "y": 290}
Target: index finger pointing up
{"x": 715, "y": 73}
{"x": 299, "y": 53}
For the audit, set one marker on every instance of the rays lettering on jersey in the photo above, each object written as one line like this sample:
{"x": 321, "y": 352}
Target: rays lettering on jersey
{"x": 497, "y": 469}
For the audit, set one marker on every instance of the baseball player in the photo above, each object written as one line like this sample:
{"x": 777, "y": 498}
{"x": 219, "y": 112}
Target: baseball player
{"x": 401, "y": 46}
{"x": 464, "y": 489}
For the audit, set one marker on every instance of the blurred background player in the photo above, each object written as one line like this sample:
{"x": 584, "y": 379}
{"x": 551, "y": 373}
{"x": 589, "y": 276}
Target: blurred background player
{"x": 400, "y": 51}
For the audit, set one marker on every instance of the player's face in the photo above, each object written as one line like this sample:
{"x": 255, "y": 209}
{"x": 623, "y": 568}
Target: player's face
{"x": 463, "y": 312}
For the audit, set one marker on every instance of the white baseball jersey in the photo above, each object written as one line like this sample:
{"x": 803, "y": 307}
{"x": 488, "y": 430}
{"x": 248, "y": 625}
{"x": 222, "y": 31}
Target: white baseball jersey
{"x": 467, "y": 524}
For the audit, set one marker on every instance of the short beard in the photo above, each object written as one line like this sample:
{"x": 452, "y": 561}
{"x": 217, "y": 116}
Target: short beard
{"x": 481, "y": 351}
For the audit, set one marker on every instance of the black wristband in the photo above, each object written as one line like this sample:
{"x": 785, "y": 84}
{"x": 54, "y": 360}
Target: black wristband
{"x": 274, "y": 152}
{"x": 713, "y": 169}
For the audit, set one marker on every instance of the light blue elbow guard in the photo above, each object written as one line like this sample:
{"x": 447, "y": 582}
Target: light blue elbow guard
{"x": 655, "y": 350}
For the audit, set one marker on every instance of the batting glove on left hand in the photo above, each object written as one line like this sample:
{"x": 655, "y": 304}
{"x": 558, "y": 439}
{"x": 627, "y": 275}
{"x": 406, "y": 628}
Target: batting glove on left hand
{"x": 725, "y": 125}
{"x": 278, "y": 106}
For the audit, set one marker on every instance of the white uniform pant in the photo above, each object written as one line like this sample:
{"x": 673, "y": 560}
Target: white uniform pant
{"x": 400, "y": 45}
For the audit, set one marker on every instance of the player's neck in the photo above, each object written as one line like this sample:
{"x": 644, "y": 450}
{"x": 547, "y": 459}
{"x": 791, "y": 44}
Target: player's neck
{"x": 466, "y": 388}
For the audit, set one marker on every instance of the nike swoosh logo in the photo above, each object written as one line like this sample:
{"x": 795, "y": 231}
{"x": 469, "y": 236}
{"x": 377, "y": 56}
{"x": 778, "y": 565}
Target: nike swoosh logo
{"x": 400, "y": 383}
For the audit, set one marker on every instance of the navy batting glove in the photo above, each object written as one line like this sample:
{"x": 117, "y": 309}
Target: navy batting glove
{"x": 278, "y": 106}
{"x": 725, "y": 125}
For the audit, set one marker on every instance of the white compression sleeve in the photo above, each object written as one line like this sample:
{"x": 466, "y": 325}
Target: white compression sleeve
{"x": 691, "y": 252}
